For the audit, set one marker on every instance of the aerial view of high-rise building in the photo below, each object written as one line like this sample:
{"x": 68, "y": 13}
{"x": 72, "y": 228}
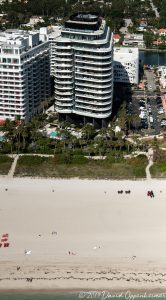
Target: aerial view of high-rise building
{"x": 84, "y": 68}
{"x": 24, "y": 74}
{"x": 82, "y": 149}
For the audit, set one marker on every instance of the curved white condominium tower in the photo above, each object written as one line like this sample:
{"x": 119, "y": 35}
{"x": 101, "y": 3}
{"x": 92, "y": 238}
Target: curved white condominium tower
{"x": 84, "y": 67}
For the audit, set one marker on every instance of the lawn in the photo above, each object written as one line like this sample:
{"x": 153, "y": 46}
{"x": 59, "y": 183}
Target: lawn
{"x": 80, "y": 167}
{"x": 158, "y": 170}
{"x": 5, "y": 164}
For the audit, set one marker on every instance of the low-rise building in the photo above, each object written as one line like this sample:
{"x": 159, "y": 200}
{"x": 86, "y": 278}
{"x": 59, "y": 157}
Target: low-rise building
{"x": 24, "y": 74}
{"x": 162, "y": 32}
{"x": 134, "y": 40}
{"x": 116, "y": 38}
{"x": 126, "y": 65}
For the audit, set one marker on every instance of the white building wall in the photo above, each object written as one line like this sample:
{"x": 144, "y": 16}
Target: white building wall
{"x": 126, "y": 65}
{"x": 162, "y": 74}
{"x": 24, "y": 77}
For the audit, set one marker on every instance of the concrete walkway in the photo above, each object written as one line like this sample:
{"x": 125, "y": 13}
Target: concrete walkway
{"x": 150, "y": 158}
{"x": 13, "y": 166}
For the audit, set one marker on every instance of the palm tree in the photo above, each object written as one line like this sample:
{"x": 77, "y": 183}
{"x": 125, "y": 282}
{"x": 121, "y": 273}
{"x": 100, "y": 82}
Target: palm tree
{"x": 88, "y": 132}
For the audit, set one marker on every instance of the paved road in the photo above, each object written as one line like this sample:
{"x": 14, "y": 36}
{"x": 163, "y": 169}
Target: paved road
{"x": 151, "y": 85}
{"x": 156, "y": 122}
{"x": 155, "y": 9}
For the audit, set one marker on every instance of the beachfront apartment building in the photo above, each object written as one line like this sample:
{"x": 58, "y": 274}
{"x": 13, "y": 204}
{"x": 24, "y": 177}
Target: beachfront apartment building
{"x": 51, "y": 33}
{"x": 83, "y": 68}
{"x": 126, "y": 65}
{"x": 24, "y": 74}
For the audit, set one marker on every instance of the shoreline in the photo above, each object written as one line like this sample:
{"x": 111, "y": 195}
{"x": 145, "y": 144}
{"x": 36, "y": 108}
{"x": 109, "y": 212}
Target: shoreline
{"x": 152, "y": 50}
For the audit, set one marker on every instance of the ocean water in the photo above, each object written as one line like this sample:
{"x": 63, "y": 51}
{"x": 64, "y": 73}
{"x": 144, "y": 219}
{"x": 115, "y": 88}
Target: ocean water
{"x": 153, "y": 58}
{"x": 89, "y": 295}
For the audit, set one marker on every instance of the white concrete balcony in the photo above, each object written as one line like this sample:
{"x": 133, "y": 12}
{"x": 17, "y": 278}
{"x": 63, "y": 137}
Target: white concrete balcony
{"x": 103, "y": 36}
{"x": 86, "y": 90}
{"x": 63, "y": 71}
{"x": 92, "y": 114}
{"x": 96, "y": 97}
{"x": 65, "y": 76}
{"x": 94, "y": 63}
{"x": 64, "y": 65}
{"x": 93, "y": 85}
{"x": 61, "y": 60}
{"x": 62, "y": 93}
{"x": 95, "y": 103}
{"x": 63, "y": 110}
{"x": 63, "y": 88}
{"x": 93, "y": 68}
{"x": 63, "y": 99}
{"x": 92, "y": 79}
{"x": 93, "y": 74}
{"x": 64, "y": 53}
{"x": 57, "y": 103}
{"x": 93, "y": 49}
{"x": 58, "y": 46}
{"x": 94, "y": 56}
{"x": 64, "y": 81}
{"x": 92, "y": 107}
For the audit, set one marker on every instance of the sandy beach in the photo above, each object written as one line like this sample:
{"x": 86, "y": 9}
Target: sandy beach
{"x": 81, "y": 234}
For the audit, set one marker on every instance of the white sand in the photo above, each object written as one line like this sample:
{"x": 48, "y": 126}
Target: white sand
{"x": 119, "y": 240}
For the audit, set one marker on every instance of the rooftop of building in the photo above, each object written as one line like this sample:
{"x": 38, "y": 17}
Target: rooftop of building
{"x": 134, "y": 36}
{"x": 84, "y": 21}
{"x": 123, "y": 52}
{"x": 15, "y": 38}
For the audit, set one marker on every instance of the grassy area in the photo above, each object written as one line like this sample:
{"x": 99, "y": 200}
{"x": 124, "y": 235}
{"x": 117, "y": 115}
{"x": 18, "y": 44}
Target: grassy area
{"x": 158, "y": 170}
{"x": 80, "y": 167}
{"x": 5, "y": 164}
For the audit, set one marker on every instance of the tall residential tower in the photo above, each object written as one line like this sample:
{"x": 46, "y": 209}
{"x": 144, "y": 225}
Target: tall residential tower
{"x": 24, "y": 74}
{"x": 84, "y": 68}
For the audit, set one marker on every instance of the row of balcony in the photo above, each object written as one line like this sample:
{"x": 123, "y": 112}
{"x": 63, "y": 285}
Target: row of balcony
{"x": 63, "y": 99}
{"x": 78, "y": 67}
{"x": 92, "y": 107}
{"x": 96, "y": 97}
{"x": 93, "y": 84}
{"x": 63, "y": 88}
{"x": 92, "y": 114}
{"x": 92, "y": 55}
{"x": 64, "y": 104}
{"x": 93, "y": 62}
{"x": 92, "y": 79}
{"x": 86, "y": 90}
{"x": 94, "y": 74}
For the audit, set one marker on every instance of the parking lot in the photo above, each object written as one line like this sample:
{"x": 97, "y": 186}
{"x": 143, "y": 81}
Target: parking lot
{"x": 150, "y": 111}
{"x": 151, "y": 83}
{"x": 147, "y": 104}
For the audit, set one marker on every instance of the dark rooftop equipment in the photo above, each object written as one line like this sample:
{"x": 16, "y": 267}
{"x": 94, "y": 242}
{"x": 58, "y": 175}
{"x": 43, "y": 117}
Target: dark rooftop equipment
{"x": 84, "y": 21}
